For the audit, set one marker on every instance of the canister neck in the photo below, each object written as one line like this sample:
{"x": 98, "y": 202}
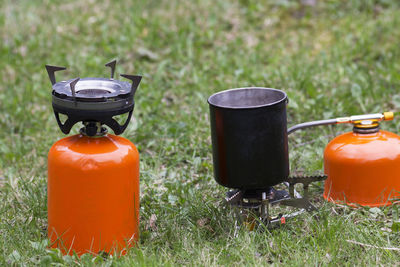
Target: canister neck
{"x": 366, "y": 126}
{"x": 93, "y": 129}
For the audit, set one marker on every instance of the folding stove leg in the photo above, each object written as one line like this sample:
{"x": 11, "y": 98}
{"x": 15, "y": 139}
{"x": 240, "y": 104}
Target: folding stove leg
{"x": 250, "y": 213}
{"x": 304, "y": 202}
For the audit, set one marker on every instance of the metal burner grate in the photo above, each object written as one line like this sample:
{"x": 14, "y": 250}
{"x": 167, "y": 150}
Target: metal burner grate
{"x": 93, "y": 101}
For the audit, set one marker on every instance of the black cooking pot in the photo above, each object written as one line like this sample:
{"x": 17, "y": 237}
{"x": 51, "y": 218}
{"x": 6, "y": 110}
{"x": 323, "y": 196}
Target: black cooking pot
{"x": 249, "y": 137}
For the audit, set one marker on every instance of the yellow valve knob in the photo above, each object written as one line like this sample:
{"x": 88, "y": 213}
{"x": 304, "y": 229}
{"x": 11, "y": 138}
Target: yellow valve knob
{"x": 388, "y": 116}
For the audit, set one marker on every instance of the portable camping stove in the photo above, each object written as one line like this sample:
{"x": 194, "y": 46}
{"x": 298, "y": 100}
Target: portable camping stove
{"x": 93, "y": 177}
{"x": 255, "y": 205}
{"x": 94, "y": 101}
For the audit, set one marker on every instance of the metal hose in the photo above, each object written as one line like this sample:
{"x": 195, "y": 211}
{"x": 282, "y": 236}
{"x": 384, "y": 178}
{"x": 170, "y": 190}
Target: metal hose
{"x": 351, "y": 119}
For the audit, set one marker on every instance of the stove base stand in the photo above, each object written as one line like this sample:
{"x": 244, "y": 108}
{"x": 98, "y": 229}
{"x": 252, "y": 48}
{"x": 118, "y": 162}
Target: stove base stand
{"x": 254, "y": 205}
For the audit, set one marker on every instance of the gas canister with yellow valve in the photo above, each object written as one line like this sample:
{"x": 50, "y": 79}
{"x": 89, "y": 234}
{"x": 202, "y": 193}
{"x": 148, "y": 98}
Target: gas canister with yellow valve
{"x": 93, "y": 177}
{"x": 363, "y": 166}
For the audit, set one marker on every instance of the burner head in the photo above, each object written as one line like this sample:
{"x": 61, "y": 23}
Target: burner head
{"x": 93, "y": 101}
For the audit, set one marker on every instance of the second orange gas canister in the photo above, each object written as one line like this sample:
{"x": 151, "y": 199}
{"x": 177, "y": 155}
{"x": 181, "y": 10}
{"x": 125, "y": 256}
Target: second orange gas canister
{"x": 363, "y": 166}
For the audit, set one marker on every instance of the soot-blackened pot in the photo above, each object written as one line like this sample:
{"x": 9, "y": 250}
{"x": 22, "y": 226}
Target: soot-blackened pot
{"x": 249, "y": 137}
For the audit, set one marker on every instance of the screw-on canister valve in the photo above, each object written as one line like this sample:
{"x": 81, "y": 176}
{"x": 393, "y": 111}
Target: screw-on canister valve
{"x": 371, "y": 125}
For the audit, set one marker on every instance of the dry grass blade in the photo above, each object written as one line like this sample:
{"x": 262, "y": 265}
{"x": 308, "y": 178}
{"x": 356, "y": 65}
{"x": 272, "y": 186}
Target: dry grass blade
{"x": 372, "y": 246}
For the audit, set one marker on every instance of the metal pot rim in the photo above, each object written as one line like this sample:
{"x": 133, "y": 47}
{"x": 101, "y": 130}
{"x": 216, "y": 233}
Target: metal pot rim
{"x": 284, "y": 98}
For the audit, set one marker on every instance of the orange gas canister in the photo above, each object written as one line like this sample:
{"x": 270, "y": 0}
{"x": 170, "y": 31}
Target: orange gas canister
{"x": 363, "y": 166}
{"x": 93, "y": 177}
{"x": 93, "y": 194}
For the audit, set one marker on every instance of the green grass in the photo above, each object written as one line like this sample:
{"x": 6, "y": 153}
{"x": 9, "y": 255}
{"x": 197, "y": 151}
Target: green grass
{"x": 334, "y": 58}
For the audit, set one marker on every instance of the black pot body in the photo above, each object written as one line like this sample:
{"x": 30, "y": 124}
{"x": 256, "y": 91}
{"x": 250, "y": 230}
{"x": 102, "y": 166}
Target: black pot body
{"x": 249, "y": 137}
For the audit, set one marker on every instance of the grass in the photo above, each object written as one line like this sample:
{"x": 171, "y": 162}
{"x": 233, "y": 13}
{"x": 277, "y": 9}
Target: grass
{"x": 333, "y": 58}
